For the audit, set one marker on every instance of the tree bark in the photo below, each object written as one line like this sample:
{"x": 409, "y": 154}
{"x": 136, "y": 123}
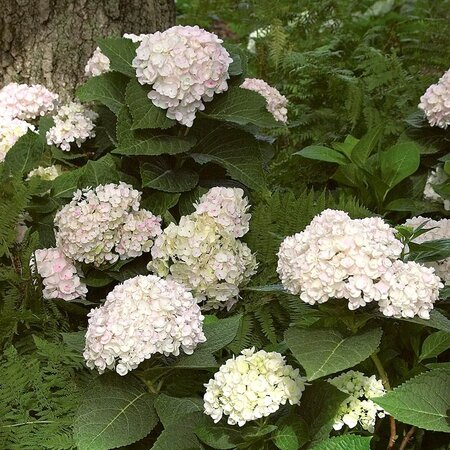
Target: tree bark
{"x": 50, "y": 41}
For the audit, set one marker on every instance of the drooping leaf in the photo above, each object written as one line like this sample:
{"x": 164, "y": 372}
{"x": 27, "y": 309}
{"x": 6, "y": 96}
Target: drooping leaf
{"x": 349, "y": 442}
{"x": 437, "y": 321}
{"x": 120, "y": 52}
{"x": 161, "y": 176}
{"x": 292, "y": 433}
{"x": 219, "y": 436}
{"x": 171, "y": 410}
{"x": 435, "y": 344}
{"x": 363, "y": 149}
{"x": 158, "y": 144}
{"x": 67, "y": 183}
{"x": 101, "y": 171}
{"x": 159, "y": 202}
{"x": 322, "y": 153}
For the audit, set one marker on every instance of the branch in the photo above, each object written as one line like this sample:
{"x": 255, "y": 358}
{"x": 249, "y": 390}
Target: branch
{"x": 407, "y": 439}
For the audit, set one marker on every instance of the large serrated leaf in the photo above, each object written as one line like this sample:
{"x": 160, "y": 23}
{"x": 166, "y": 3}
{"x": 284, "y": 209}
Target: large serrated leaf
{"x": 323, "y": 352}
{"x": 114, "y": 412}
{"x": 145, "y": 113}
{"x": 349, "y": 442}
{"x": 423, "y": 401}
{"x": 162, "y": 177}
{"x": 435, "y": 344}
{"x": 121, "y": 52}
{"x": 172, "y": 409}
{"x": 155, "y": 145}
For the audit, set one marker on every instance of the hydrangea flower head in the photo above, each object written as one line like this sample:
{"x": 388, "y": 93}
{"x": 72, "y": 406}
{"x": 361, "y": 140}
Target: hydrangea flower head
{"x": 436, "y": 102}
{"x": 251, "y": 386}
{"x": 97, "y": 64}
{"x": 25, "y": 102}
{"x": 358, "y": 408}
{"x": 142, "y": 316}
{"x": 185, "y": 66}
{"x": 276, "y": 103}
{"x": 60, "y": 277}
{"x": 46, "y": 173}
{"x": 228, "y": 207}
{"x": 10, "y": 131}
{"x": 73, "y": 123}
{"x": 437, "y": 176}
{"x": 96, "y": 227}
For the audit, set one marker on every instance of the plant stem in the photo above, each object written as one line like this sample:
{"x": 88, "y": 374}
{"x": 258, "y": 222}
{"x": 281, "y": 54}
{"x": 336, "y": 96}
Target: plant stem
{"x": 407, "y": 438}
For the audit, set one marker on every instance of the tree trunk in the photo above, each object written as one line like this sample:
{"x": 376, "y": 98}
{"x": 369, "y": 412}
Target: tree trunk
{"x": 50, "y": 41}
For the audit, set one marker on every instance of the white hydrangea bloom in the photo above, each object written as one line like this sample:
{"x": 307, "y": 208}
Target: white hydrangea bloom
{"x": 276, "y": 103}
{"x": 337, "y": 257}
{"x": 437, "y": 176}
{"x": 254, "y": 36}
{"x": 95, "y": 226}
{"x": 186, "y": 66}
{"x": 228, "y": 207}
{"x": 46, "y": 173}
{"x": 60, "y": 277}
{"x": 407, "y": 289}
{"x": 134, "y": 37}
{"x": 142, "y": 316}
{"x": 10, "y": 131}
{"x": 73, "y": 123}
{"x": 97, "y": 64}
{"x": 439, "y": 229}
{"x": 358, "y": 408}
{"x": 26, "y": 102}
{"x": 199, "y": 253}
{"x": 436, "y": 102}
{"x": 252, "y": 386}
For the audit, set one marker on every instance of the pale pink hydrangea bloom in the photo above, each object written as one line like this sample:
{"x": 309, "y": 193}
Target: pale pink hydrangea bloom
{"x": 276, "y": 103}
{"x": 26, "y": 102}
{"x": 10, "y": 131}
{"x": 97, "y": 64}
{"x": 185, "y": 66}
{"x": 142, "y": 316}
{"x": 228, "y": 207}
{"x": 436, "y": 102}
{"x": 60, "y": 277}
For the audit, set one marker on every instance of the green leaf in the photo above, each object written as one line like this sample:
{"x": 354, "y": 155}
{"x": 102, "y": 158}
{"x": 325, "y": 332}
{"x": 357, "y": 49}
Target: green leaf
{"x": 323, "y": 352}
{"x": 155, "y": 145}
{"x": 159, "y": 175}
{"x": 145, "y": 113}
{"x": 413, "y": 205}
{"x": 292, "y": 433}
{"x": 399, "y": 162}
{"x": 322, "y": 153}
{"x": 101, "y": 171}
{"x": 219, "y": 436}
{"x": 239, "y": 63}
{"x": 121, "y": 52}
{"x": 107, "y": 89}
{"x": 114, "y": 412}
{"x": 423, "y": 401}
{"x": 363, "y": 149}
{"x": 159, "y": 202}
{"x": 124, "y": 132}
{"x": 25, "y": 154}
{"x": 435, "y": 344}
{"x": 429, "y": 250}
{"x": 349, "y": 442}
{"x": 67, "y": 183}
{"x": 437, "y": 321}
{"x": 171, "y": 410}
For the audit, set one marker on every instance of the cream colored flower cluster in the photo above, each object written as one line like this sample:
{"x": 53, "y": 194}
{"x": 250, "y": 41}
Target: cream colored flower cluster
{"x": 142, "y": 316}
{"x": 203, "y": 254}
{"x": 437, "y": 176}
{"x": 60, "y": 277}
{"x": 439, "y": 229}
{"x": 45, "y": 173}
{"x": 252, "y": 386}
{"x": 276, "y": 103}
{"x": 73, "y": 123}
{"x": 358, "y": 408}
{"x": 100, "y": 225}
{"x": 10, "y": 131}
{"x": 185, "y": 66}
{"x": 21, "y": 101}
{"x": 97, "y": 64}
{"x": 436, "y": 102}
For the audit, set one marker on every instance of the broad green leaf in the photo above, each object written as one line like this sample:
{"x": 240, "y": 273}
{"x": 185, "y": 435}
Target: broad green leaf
{"x": 323, "y": 352}
{"x": 349, "y": 442}
{"x": 292, "y": 433}
{"x": 121, "y": 52}
{"x": 101, "y": 171}
{"x": 398, "y": 162}
{"x": 114, "y": 412}
{"x": 162, "y": 177}
{"x": 239, "y": 58}
{"x": 322, "y": 153}
{"x": 25, "y": 154}
{"x": 444, "y": 365}
{"x": 241, "y": 106}
{"x": 413, "y": 205}
{"x": 437, "y": 321}
{"x": 429, "y": 250}
{"x": 67, "y": 183}
{"x": 187, "y": 200}
{"x": 107, "y": 89}
{"x": 159, "y": 202}
{"x": 219, "y": 436}
{"x": 268, "y": 288}
{"x": 423, "y": 401}
{"x": 171, "y": 410}
{"x": 363, "y": 149}
{"x": 124, "y": 132}
{"x": 145, "y": 114}
{"x": 155, "y": 145}
{"x": 435, "y": 344}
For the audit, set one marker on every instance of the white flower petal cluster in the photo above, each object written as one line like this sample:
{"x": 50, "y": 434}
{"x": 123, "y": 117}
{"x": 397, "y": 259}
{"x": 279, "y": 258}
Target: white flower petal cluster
{"x": 276, "y": 103}
{"x": 46, "y": 173}
{"x": 252, "y": 386}
{"x": 10, "y": 131}
{"x": 186, "y": 66}
{"x": 199, "y": 253}
{"x": 96, "y": 227}
{"x": 97, "y": 64}
{"x": 228, "y": 207}
{"x": 358, "y": 408}
{"x": 437, "y": 176}
{"x": 134, "y": 37}
{"x": 73, "y": 123}
{"x": 439, "y": 229}
{"x": 254, "y": 36}
{"x": 25, "y": 102}
{"x": 60, "y": 277}
{"x": 436, "y": 102}
{"x": 337, "y": 257}
{"x": 142, "y": 316}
